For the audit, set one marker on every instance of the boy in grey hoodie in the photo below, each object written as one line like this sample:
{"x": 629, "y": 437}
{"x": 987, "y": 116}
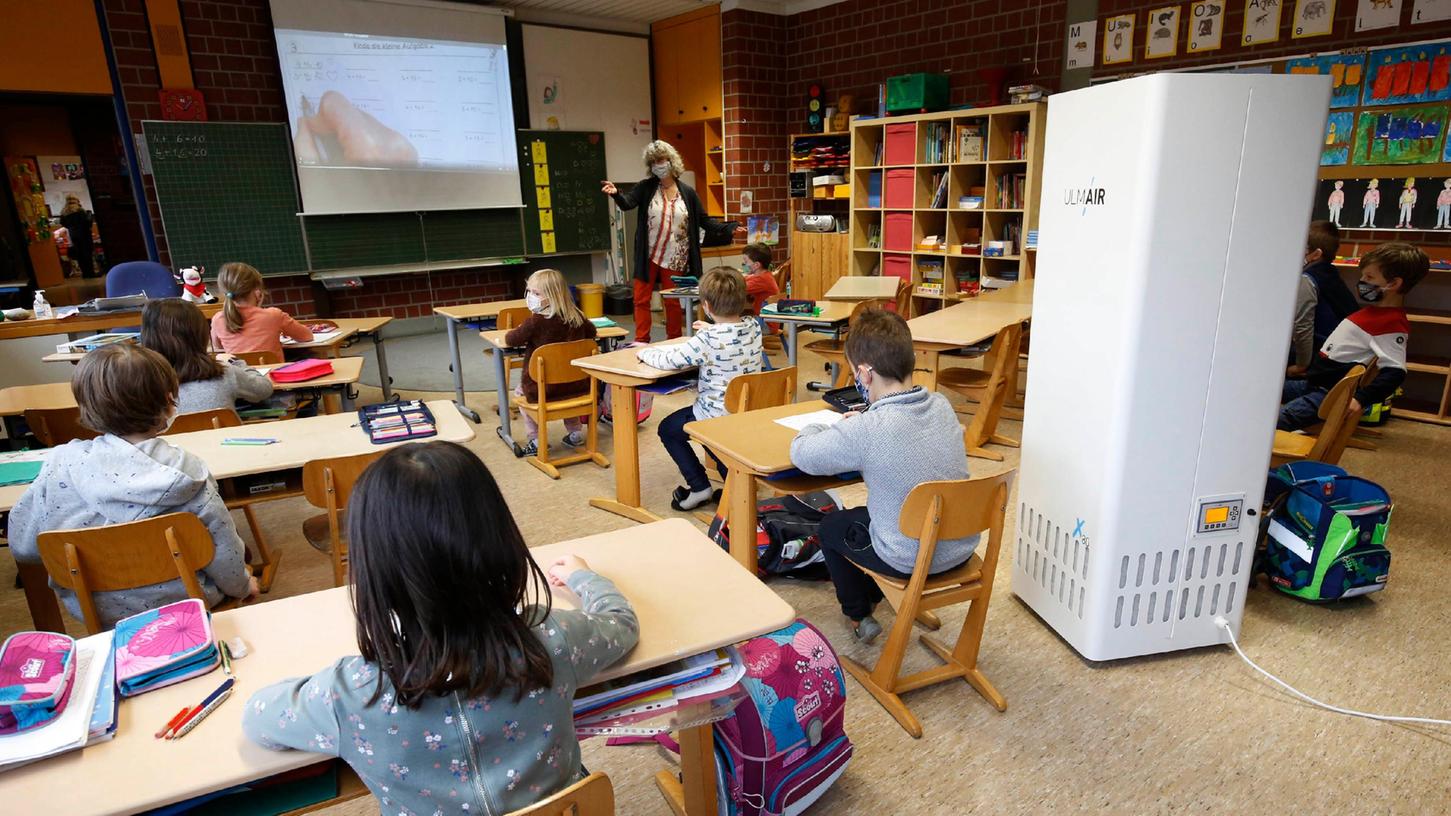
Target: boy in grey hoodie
{"x": 905, "y": 437}
{"x": 128, "y": 394}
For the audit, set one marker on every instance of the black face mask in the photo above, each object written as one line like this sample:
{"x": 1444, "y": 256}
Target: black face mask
{"x": 1369, "y": 292}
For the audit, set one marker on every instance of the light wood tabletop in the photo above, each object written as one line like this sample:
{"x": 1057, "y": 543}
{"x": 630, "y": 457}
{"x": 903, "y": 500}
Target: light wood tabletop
{"x": 17, "y": 399}
{"x": 478, "y": 311}
{"x": 137, "y": 772}
{"x": 967, "y": 323}
{"x": 82, "y": 324}
{"x": 831, "y": 311}
{"x": 348, "y": 328}
{"x": 863, "y": 287}
{"x": 495, "y": 337}
{"x": 625, "y": 364}
{"x": 1020, "y": 292}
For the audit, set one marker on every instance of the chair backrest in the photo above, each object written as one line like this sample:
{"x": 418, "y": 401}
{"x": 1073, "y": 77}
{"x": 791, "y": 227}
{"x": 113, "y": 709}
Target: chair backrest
{"x": 1335, "y": 412}
{"x": 763, "y": 389}
{"x": 205, "y": 421}
{"x": 903, "y": 302}
{"x": 552, "y": 364}
{"x": 57, "y": 426}
{"x": 126, "y": 556}
{"x": 782, "y": 274}
{"x": 328, "y": 483}
{"x": 955, "y": 509}
{"x": 990, "y": 406}
{"x": 512, "y": 318}
{"x": 591, "y": 796}
{"x": 258, "y": 358}
{"x": 862, "y": 306}
{"x": 135, "y": 277}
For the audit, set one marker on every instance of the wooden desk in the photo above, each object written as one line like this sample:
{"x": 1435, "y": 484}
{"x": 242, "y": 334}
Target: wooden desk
{"x": 17, "y": 399}
{"x": 832, "y": 317}
{"x": 369, "y": 327}
{"x": 82, "y": 323}
{"x": 753, "y": 445}
{"x": 1020, "y": 292}
{"x": 464, "y": 312}
{"x": 856, "y": 288}
{"x": 955, "y": 327}
{"x": 300, "y": 441}
{"x": 623, "y": 372}
{"x": 495, "y": 340}
{"x": 136, "y": 772}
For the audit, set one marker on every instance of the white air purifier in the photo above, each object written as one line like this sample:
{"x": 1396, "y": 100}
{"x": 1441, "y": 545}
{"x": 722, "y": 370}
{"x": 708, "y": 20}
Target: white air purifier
{"x": 1173, "y": 222}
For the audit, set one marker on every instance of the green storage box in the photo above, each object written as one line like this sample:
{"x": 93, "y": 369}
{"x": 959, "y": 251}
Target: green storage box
{"x": 916, "y": 93}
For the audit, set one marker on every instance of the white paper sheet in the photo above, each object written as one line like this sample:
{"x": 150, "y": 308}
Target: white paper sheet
{"x": 826, "y": 416}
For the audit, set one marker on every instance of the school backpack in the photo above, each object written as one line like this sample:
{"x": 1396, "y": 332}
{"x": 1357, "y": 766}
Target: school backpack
{"x": 644, "y": 403}
{"x": 1325, "y": 533}
{"x": 784, "y": 745}
{"x": 786, "y": 538}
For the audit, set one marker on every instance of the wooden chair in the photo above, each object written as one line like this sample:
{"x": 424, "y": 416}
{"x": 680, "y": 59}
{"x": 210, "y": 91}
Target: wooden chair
{"x": 127, "y": 556}
{"x": 328, "y": 484}
{"x": 260, "y": 358}
{"x": 261, "y": 558}
{"x": 751, "y": 392}
{"x": 591, "y": 796}
{"x": 57, "y": 426}
{"x": 989, "y": 386}
{"x": 933, "y": 511}
{"x": 834, "y": 349}
{"x": 1336, "y": 427}
{"x": 552, "y": 366}
{"x": 1360, "y": 439}
{"x": 903, "y": 302}
{"x": 512, "y": 319}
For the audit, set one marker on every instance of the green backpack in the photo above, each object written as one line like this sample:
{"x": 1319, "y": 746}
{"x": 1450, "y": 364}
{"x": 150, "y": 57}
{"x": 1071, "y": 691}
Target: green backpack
{"x": 1326, "y": 530}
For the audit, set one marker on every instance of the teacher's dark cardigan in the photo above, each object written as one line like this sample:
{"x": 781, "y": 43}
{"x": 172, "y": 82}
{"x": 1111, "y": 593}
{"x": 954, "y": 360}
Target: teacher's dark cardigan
{"x": 716, "y": 232}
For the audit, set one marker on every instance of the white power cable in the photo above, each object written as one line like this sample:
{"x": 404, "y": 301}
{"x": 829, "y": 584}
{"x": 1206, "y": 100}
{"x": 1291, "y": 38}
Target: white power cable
{"x": 1223, "y": 623}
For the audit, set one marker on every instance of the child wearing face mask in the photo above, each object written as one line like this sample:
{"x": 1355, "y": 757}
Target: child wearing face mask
{"x": 556, "y": 319}
{"x": 127, "y": 394}
{"x": 1377, "y": 332}
{"x": 906, "y": 436}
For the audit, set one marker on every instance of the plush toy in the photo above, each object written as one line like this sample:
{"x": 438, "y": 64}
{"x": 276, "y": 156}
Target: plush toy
{"x": 192, "y": 287}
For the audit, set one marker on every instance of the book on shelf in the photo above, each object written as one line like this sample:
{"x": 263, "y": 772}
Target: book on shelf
{"x": 1031, "y": 242}
{"x": 939, "y": 190}
{"x": 874, "y": 188}
{"x": 1010, "y": 191}
{"x": 874, "y": 236}
{"x": 877, "y": 154}
{"x": 934, "y": 289}
{"x": 967, "y": 143}
{"x": 935, "y": 143}
{"x": 1019, "y": 145}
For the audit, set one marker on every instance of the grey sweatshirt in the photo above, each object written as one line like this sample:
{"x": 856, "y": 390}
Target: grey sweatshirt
{"x": 107, "y": 480}
{"x": 454, "y": 755}
{"x": 900, "y": 442}
{"x": 236, "y": 383}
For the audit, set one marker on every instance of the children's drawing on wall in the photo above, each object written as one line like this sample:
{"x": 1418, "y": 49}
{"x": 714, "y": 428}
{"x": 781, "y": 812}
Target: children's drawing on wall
{"x": 1419, "y": 73}
{"x": 1206, "y": 25}
{"x": 1163, "y": 33}
{"x": 1407, "y": 203}
{"x": 1347, "y": 73}
{"x": 1369, "y": 202}
{"x": 1261, "y": 22}
{"x": 1312, "y": 18}
{"x": 1336, "y": 201}
{"x": 1443, "y": 206}
{"x": 1410, "y": 135}
{"x": 1339, "y": 130}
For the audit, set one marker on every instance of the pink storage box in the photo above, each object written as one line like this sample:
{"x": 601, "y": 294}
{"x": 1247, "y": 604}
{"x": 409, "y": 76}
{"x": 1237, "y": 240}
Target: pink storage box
{"x": 897, "y": 232}
{"x": 897, "y": 194}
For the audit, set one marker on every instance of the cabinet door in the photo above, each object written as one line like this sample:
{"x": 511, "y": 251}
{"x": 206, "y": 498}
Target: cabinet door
{"x": 705, "y": 102}
{"x": 669, "y": 106}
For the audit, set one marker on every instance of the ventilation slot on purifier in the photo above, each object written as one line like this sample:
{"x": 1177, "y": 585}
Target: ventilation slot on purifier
{"x": 1053, "y": 558}
{"x": 1152, "y": 589}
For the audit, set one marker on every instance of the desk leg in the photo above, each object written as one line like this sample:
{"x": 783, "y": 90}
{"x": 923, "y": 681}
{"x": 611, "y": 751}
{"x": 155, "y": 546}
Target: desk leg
{"x": 927, "y": 377}
{"x": 687, "y": 305}
{"x": 627, "y": 460}
{"x": 384, "y": 381}
{"x": 501, "y": 375}
{"x": 742, "y": 489}
{"x": 791, "y": 342}
{"x": 694, "y": 793}
{"x": 347, "y": 398}
{"x": 458, "y": 372}
{"x": 44, "y": 608}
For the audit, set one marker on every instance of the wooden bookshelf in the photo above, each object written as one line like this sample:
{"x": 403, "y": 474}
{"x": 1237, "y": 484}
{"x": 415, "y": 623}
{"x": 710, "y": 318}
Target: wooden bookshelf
{"x": 923, "y": 186}
{"x": 818, "y": 258}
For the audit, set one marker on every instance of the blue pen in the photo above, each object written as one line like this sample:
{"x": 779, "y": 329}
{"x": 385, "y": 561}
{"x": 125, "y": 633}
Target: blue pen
{"x": 204, "y": 708}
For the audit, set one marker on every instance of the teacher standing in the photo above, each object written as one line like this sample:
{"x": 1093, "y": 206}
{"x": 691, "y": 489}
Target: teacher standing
{"x": 669, "y": 233}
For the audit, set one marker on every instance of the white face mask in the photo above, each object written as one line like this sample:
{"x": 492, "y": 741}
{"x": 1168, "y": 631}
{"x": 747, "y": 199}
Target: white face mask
{"x": 170, "y": 418}
{"x": 534, "y": 302}
{"x": 660, "y": 169}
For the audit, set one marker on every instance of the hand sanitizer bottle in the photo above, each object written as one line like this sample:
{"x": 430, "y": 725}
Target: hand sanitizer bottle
{"x": 42, "y": 308}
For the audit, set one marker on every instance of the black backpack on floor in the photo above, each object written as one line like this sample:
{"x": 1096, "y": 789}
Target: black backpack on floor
{"x": 786, "y": 540}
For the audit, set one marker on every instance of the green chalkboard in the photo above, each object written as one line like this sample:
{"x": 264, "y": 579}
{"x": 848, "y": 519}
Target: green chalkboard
{"x": 560, "y": 172}
{"x": 389, "y": 239}
{"x": 227, "y": 193}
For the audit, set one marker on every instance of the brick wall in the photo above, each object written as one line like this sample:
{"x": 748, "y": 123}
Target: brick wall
{"x": 755, "y": 50}
{"x": 234, "y": 65}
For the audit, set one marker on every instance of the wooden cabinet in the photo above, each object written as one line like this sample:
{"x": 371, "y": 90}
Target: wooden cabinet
{"x": 817, "y": 260}
{"x": 687, "y": 67}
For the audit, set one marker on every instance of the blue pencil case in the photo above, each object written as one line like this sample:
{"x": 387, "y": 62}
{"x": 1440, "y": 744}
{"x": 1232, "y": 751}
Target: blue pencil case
{"x": 163, "y": 646}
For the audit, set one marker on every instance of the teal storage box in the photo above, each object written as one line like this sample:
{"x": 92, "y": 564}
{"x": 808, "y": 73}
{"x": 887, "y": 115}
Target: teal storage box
{"x": 916, "y": 93}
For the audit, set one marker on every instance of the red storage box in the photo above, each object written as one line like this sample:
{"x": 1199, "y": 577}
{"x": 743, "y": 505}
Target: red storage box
{"x": 897, "y": 265}
{"x": 897, "y": 232}
{"x": 897, "y": 194}
{"x": 901, "y": 143}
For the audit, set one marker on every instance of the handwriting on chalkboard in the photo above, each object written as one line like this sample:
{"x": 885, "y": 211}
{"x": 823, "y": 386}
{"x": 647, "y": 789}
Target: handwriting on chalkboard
{"x": 177, "y": 146}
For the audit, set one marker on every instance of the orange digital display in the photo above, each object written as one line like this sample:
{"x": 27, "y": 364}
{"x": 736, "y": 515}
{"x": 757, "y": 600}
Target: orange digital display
{"x": 1216, "y": 515}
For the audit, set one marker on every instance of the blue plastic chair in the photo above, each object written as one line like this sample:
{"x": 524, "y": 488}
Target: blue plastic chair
{"x": 135, "y": 277}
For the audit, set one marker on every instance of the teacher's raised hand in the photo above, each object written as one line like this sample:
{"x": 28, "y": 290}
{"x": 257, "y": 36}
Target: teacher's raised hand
{"x": 608, "y": 188}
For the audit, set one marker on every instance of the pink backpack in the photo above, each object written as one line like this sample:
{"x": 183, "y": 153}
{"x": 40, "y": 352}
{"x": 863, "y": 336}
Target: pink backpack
{"x": 784, "y": 745}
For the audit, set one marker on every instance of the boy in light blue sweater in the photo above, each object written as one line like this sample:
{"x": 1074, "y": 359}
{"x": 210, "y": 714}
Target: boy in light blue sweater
{"x": 906, "y": 436}
{"x": 723, "y": 349}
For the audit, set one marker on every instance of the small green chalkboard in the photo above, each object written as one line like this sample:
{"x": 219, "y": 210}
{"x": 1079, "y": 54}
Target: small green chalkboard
{"x": 227, "y": 193}
{"x": 560, "y": 173}
{"x": 404, "y": 238}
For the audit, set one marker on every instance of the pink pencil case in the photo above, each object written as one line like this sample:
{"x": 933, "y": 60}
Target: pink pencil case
{"x": 162, "y": 646}
{"x": 37, "y": 672}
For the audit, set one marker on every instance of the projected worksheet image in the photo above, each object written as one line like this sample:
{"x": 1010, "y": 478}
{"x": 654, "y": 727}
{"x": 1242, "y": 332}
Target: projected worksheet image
{"x": 362, "y": 101}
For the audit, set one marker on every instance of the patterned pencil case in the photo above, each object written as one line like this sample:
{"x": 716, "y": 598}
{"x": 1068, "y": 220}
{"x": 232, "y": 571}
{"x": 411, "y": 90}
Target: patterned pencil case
{"x": 397, "y": 422}
{"x": 37, "y": 672}
{"x": 163, "y": 646}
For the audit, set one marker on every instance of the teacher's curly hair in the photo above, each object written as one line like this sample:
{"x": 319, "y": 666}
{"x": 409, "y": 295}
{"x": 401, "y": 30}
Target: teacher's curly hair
{"x": 662, "y": 151}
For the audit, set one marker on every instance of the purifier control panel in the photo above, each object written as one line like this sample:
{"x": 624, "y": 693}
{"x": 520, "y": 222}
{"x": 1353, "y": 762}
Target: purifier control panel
{"x": 1218, "y": 515}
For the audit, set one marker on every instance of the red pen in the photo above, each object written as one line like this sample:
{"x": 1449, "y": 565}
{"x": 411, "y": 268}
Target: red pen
{"x": 174, "y": 722}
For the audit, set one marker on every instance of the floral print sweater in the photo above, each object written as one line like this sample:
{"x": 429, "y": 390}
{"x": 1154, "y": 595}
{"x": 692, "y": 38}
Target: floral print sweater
{"x": 454, "y": 755}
